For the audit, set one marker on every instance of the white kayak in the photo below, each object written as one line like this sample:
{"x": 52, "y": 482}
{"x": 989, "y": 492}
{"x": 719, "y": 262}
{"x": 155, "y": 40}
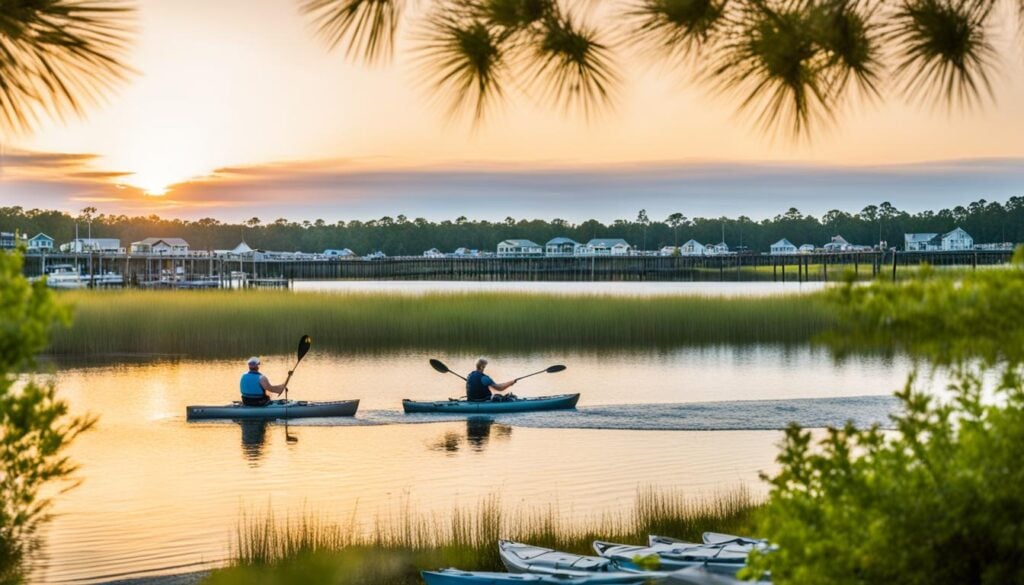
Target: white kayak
{"x": 277, "y": 409}
{"x": 525, "y": 558}
{"x": 724, "y": 559}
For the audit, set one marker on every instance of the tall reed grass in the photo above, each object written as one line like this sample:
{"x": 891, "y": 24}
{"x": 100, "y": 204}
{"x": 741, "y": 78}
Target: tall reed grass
{"x": 393, "y": 551}
{"x": 223, "y": 323}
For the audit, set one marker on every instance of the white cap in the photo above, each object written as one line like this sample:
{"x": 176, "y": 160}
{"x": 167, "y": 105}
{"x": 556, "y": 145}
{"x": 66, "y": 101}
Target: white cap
{"x": 254, "y": 361}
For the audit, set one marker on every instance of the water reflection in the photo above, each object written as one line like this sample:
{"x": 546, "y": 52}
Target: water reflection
{"x": 479, "y": 430}
{"x": 254, "y": 439}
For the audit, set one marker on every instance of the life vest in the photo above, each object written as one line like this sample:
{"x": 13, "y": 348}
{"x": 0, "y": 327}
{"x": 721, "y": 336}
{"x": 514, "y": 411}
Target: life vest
{"x": 250, "y": 384}
{"x": 476, "y": 388}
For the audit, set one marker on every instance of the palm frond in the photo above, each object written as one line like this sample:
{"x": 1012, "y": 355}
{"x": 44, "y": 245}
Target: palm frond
{"x": 517, "y": 14}
{"x": 58, "y": 56}
{"x": 848, "y": 33}
{"x": 675, "y": 27}
{"x": 572, "y": 66}
{"x": 773, "y": 62}
{"x": 944, "y": 49}
{"x": 465, "y": 61}
{"x": 367, "y": 28}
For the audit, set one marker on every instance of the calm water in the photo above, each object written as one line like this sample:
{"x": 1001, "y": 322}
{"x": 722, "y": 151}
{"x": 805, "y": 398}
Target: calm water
{"x": 164, "y": 495}
{"x": 642, "y": 289}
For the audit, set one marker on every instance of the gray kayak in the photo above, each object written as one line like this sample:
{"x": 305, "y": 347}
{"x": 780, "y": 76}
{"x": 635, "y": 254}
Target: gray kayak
{"x": 277, "y": 409}
{"x": 526, "y": 558}
{"x": 457, "y": 577}
{"x": 452, "y": 406}
{"x": 721, "y": 558}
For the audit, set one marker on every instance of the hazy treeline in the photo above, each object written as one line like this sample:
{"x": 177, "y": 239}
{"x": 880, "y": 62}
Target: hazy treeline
{"x": 985, "y": 221}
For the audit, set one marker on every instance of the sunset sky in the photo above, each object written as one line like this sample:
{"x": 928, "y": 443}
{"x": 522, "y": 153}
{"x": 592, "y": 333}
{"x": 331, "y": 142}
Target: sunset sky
{"x": 238, "y": 110}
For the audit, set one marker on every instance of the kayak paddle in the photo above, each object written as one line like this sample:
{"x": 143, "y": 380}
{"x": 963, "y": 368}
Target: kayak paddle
{"x": 304, "y": 344}
{"x": 548, "y": 370}
{"x": 440, "y": 367}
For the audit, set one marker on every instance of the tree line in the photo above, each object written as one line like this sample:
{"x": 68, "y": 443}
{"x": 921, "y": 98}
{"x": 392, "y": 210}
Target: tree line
{"x": 987, "y": 222}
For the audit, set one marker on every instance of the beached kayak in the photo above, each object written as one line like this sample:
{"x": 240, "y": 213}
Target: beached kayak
{"x": 275, "y": 410}
{"x": 721, "y": 558}
{"x": 457, "y": 577}
{"x": 525, "y": 558}
{"x": 539, "y": 403}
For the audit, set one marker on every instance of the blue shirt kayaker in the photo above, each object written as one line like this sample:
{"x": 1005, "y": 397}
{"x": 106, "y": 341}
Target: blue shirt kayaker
{"x": 480, "y": 386}
{"x": 256, "y": 388}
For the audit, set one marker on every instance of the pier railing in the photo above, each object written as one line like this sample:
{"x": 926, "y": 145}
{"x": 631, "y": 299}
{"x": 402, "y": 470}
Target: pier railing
{"x": 139, "y": 270}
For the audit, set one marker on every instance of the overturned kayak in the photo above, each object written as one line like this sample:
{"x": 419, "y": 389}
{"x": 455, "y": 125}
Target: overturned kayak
{"x": 721, "y": 558}
{"x": 525, "y": 558}
{"x": 457, "y": 577}
{"x": 275, "y": 410}
{"x": 452, "y": 406}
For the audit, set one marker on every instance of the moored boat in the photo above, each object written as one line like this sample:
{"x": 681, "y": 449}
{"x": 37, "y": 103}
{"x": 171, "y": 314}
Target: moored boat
{"x": 452, "y": 406}
{"x": 275, "y": 410}
{"x": 721, "y": 558}
{"x": 457, "y": 577}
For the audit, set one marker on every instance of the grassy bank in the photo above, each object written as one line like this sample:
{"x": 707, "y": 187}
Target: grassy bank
{"x": 223, "y": 323}
{"x": 307, "y": 550}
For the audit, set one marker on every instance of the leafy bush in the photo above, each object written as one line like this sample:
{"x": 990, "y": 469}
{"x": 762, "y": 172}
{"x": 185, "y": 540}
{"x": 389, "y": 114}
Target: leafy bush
{"x": 35, "y": 428}
{"x": 937, "y": 501}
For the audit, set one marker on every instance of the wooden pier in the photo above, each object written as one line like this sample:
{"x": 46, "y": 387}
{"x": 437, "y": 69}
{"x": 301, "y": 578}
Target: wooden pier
{"x": 139, "y": 270}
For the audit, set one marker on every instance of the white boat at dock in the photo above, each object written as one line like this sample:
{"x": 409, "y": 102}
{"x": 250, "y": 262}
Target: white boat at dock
{"x": 68, "y": 277}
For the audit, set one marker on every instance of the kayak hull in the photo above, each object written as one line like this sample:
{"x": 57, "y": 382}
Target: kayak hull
{"x": 275, "y": 410}
{"x": 456, "y": 577}
{"x": 560, "y": 402}
{"x": 524, "y": 558}
{"x": 721, "y": 559}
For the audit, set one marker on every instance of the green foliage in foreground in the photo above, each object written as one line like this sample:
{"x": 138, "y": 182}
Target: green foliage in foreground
{"x": 231, "y": 323}
{"x": 395, "y": 551}
{"x": 34, "y": 427}
{"x": 939, "y": 501}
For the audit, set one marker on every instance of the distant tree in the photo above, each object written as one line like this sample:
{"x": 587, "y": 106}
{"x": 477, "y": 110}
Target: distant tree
{"x": 253, "y": 222}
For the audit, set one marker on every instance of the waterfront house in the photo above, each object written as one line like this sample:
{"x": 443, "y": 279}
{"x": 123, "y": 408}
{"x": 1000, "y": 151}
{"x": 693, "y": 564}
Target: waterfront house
{"x": 519, "y": 249}
{"x": 40, "y": 243}
{"x": 692, "y": 248}
{"x": 838, "y": 244}
{"x": 783, "y": 247}
{"x": 339, "y": 253}
{"x": 90, "y": 245}
{"x": 719, "y": 249}
{"x": 957, "y": 239}
{"x": 161, "y": 247}
{"x": 433, "y": 253}
{"x": 670, "y": 251}
{"x": 920, "y": 242}
{"x": 466, "y": 253}
{"x": 807, "y": 249}
{"x": 562, "y": 247}
{"x": 607, "y": 247}
{"x": 8, "y": 240}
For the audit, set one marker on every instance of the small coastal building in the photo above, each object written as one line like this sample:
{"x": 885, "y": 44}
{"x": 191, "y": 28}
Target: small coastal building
{"x": 161, "y": 247}
{"x": 807, "y": 249}
{"x": 91, "y": 245}
{"x": 783, "y": 247}
{"x": 838, "y": 244}
{"x": 433, "y": 253}
{"x": 957, "y": 239}
{"x": 40, "y": 243}
{"x": 670, "y": 251}
{"x": 562, "y": 247}
{"x": 519, "y": 249}
{"x": 8, "y": 240}
{"x": 607, "y": 247}
{"x": 692, "y": 248}
{"x": 466, "y": 253}
{"x": 719, "y": 249}
{"x": 339, "y": 253}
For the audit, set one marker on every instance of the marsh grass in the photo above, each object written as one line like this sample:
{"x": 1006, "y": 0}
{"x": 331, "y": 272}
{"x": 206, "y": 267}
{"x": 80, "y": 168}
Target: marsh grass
{"x": 310, "y": 549}
{"x": 225, "y": 323}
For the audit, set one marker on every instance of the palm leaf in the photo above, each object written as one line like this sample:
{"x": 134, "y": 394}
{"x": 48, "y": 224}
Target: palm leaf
{"x": 572, "y": 66}
{"x": 773, "y": 62}
{"x": 847, "y": 31}
{"x": 516, "y": 14}
{"x": 57, "y": 56}
{"x": 366, "y": 27}
{"x": 677, "y": 27}
{"x": 465, "y": 61}
{"x": 944, "y": 48}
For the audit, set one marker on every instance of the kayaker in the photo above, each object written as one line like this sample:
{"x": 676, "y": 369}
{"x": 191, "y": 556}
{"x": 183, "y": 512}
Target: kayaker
{"x": 480, "y": 386}
{"x": 256, "y": 388}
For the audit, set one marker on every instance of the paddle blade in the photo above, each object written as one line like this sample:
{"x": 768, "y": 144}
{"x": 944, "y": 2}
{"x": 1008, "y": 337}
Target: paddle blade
{"x": 440, "y": 367}
{"x": 304, "y": 344}
{"x": 555, "y": 369}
